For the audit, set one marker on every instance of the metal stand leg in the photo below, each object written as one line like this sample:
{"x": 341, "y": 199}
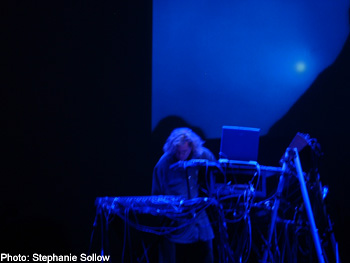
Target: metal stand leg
{"x": 274, "y": 214}
{"x": 307, "y": 203}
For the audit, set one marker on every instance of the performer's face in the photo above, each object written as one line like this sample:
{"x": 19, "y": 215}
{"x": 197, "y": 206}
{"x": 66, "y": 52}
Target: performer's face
{"x": 183, "y": 151}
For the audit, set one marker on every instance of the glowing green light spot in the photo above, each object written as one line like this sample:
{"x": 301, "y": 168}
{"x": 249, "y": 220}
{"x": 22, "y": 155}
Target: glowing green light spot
{"x": 300, "y": 66}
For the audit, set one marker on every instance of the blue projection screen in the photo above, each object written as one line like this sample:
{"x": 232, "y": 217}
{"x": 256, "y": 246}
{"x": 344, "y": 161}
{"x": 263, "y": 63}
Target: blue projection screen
{"x": 241, "y": 63}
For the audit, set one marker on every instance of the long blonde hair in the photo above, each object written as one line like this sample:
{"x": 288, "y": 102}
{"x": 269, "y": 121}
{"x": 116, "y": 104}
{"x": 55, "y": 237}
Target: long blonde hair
{"x": 180, "y": 136}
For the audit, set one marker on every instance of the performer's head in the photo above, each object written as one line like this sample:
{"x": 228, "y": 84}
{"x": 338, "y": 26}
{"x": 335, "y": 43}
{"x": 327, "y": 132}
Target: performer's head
{"x": 182, "y": 143}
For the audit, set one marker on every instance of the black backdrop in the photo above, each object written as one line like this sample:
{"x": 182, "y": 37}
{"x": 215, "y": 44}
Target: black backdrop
{"x": 75, "y": 117}
{"x": 76, "y": 120}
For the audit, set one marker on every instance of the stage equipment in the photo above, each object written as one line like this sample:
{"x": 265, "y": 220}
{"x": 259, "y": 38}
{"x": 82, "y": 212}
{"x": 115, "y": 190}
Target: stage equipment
{"x": 307, "y": 185}
{"x": 247, "y": 173}
{"x": 173, "y": 207}
{"x": 160, "y": 215}
{"x": 292, "y": 166}
{"x": 230, "y": 175}
{"x": 252, "y": 221}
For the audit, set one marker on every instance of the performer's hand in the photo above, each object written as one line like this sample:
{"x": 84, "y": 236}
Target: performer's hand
{"x": 178, "y": 165}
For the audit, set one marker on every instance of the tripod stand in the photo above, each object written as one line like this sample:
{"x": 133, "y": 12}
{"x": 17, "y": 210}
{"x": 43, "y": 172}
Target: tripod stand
{"x": 291, "y": 166}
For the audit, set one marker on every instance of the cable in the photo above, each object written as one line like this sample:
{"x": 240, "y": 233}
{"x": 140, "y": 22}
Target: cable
{"x": 92, "y": 233}
{"x": 125, "y": 229}
{"x": 143, "y": 244}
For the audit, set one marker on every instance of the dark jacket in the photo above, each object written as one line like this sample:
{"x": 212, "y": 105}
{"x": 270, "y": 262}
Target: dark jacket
{"x": 183, "y": 182}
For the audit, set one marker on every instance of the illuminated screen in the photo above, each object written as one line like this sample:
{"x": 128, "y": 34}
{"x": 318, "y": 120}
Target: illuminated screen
{"x": 241, "y": 63}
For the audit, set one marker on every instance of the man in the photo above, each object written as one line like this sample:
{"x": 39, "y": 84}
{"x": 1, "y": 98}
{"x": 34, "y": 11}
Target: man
{"x": 192, "y": 243}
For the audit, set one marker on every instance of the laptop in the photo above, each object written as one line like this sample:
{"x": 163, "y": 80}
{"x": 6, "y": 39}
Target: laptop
{"x": 239, "y": 143}
{"x": 239, "y": 155}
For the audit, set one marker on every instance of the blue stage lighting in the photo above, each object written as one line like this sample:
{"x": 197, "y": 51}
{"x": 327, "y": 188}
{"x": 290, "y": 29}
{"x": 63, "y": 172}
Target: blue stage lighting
{"x": 241, "y": 63}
